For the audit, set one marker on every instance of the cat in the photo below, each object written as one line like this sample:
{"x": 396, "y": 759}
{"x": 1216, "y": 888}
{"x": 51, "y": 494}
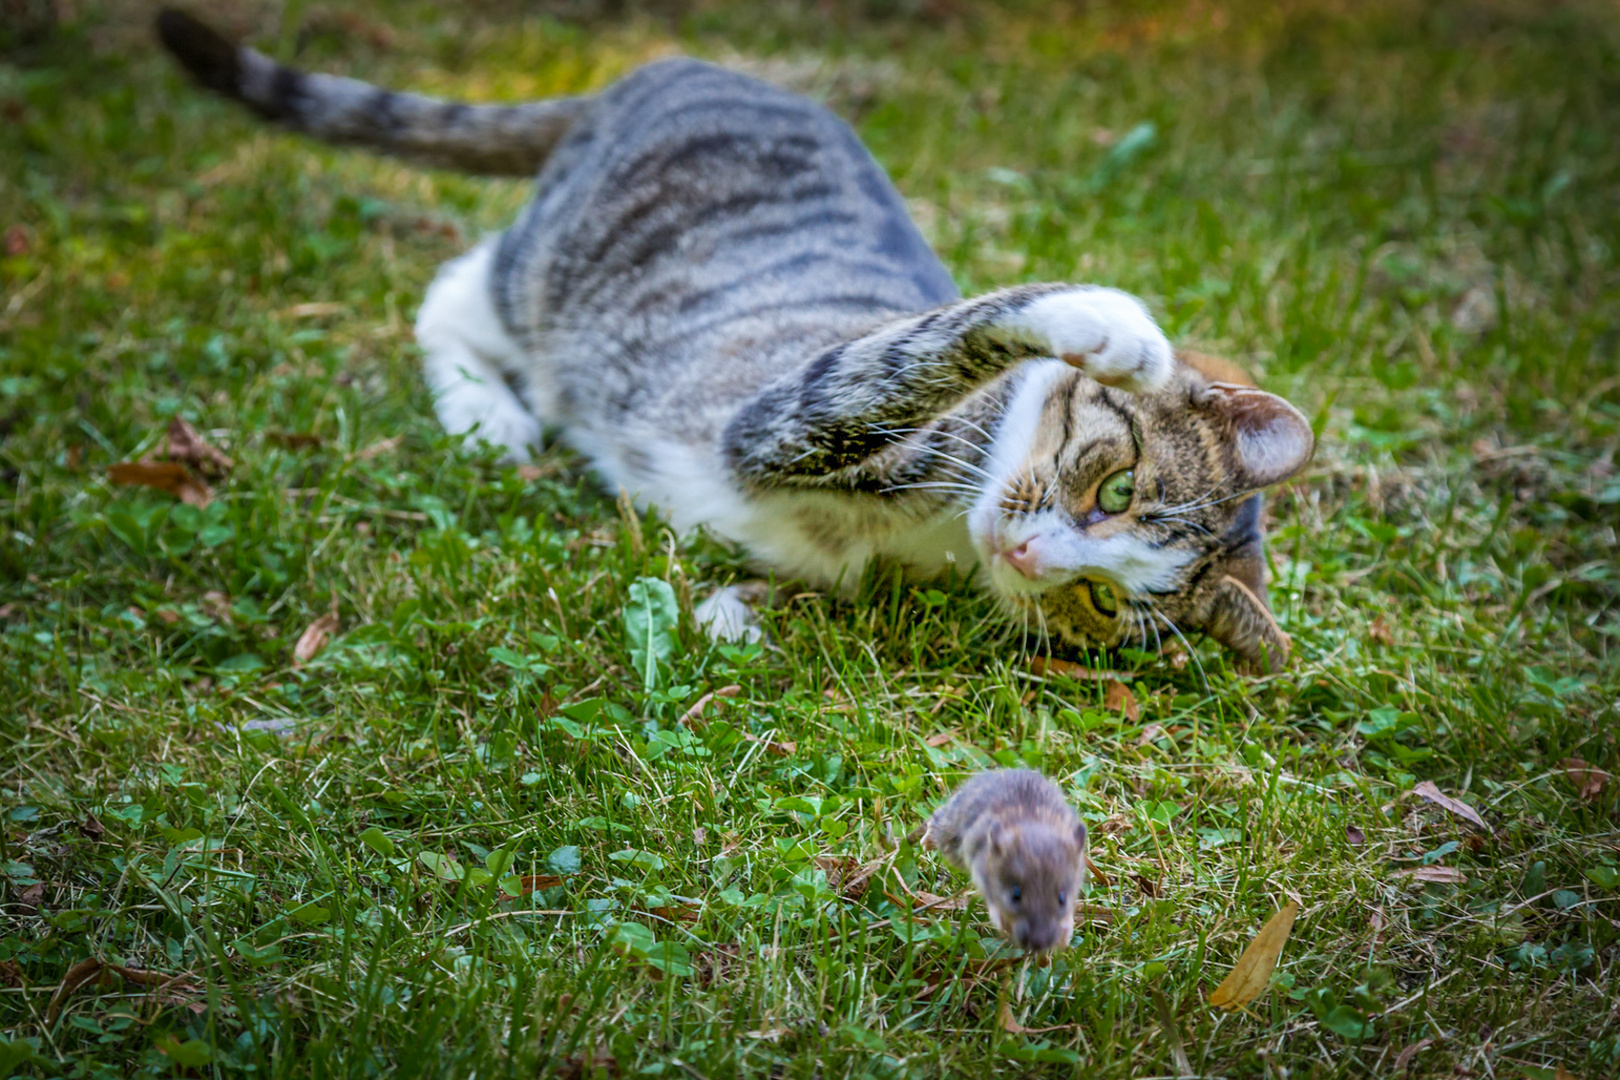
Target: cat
{"x": 717, "y": 295}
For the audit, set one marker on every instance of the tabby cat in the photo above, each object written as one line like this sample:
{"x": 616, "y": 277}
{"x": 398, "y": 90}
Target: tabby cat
{"x": 718, "y": 297}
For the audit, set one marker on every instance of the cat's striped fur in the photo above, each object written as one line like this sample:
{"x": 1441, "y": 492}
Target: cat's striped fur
{"x": 718, "y": 295}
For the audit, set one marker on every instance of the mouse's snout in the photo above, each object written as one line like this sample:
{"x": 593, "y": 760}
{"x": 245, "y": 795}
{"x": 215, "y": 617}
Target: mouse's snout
{"x": 1036, "y": 937}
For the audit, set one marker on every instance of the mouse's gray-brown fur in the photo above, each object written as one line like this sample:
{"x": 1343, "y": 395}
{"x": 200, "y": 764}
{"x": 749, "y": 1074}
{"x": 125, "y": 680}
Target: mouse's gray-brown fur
{"x": 1025, "y": 848}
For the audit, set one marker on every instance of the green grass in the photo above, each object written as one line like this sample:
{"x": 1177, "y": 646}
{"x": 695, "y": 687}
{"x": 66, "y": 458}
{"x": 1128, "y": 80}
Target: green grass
{"x": 1402, "y": 216}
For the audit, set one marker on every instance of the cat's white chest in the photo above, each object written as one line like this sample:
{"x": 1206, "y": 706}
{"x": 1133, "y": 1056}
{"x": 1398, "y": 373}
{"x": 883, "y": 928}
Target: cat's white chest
{"x": 822, "y": 538}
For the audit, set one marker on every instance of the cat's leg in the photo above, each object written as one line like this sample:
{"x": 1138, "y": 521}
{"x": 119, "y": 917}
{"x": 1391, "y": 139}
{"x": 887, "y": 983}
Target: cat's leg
{"x": 855, "y": 398}
{"x": 468, "y": 352}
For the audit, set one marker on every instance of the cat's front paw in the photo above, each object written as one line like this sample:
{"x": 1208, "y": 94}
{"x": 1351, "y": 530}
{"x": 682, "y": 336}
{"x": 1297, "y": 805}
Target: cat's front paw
{"x": 1105, "y": 333}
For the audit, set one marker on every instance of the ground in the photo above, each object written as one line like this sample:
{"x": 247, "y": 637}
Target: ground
{"x": 472, "y": 833}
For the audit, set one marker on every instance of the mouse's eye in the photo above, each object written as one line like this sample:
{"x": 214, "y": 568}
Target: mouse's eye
{"x": 1063, "y": 898}
{"x": 1017, "y": 894}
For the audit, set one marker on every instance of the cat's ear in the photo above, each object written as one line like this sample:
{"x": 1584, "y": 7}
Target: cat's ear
{"x": 1270, "y": 440}
{"x": 1240, "y": 620}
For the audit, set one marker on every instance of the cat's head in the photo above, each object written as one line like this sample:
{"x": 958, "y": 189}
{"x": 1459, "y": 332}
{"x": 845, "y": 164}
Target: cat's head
{"x": 1117, "y": 519}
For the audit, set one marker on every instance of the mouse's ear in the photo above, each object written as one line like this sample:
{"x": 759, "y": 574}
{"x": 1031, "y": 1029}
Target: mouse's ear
{"x": 998, "y": 839}
{"x": 1080, "y": 837}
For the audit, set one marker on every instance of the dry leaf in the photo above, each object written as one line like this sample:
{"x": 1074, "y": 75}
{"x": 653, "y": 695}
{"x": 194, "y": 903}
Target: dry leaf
{"x": 1118, "y": 698}
{"x": 1438, "y": 875}
{"x": 190, "y": 448}
{"x": 1100, "y": 877}
{"x": 295, "y": 440}
{"x": 1589, "y": 781}
{"x": 769, "y": 1034}
{"x": 530, "y": 472}
{"x": 1051, "y": 665}
{"x": 1149, "y": 733}
{"x": 1354, "y": 835}
{"x": 10, "y": 974}
{"x": 1561, "y": 1073}
{"x": 780, "y": 749}
{"x": 314, "y": 638}
{"x": 91, "y": 828}
{"x": 1149, "y": 888}
{"x": 942, "y": 738}
{"x": 848, "y": 876}
{"x": 171, "y": 477}
{"x": 1427, "y": 790}
{"x": 1379, "y": 632}
{"x": 28, "y": 900}
{"x": 78, "y": 975}
{"x": 1253, "y": 969}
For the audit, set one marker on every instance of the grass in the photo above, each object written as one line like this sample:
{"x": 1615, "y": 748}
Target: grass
{"x": 1402, "y": 216}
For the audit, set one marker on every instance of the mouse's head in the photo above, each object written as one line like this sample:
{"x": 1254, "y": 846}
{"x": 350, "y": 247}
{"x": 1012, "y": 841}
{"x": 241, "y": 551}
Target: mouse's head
{"x": 1031, "y": 875}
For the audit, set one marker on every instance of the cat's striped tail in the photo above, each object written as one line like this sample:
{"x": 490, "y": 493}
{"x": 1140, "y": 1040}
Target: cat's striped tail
{"x": 501, "y": 140}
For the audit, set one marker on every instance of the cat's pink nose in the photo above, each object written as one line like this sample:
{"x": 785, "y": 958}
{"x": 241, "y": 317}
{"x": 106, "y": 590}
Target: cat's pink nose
{"x": 1022, "y": 559}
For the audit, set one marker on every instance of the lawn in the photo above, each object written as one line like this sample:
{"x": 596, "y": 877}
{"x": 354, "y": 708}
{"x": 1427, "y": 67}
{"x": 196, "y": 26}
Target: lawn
{"x": 482, "y": 832}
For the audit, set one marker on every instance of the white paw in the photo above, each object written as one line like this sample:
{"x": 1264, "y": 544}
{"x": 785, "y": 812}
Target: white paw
{"x": 467, "y": 410}
{"x": 726, "y": 616}
{"x": 1105, "y": 333}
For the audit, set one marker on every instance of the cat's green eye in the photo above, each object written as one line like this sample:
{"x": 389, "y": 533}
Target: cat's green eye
{"x": 1116, "y": 492}
{"x": 1103, "y": 599}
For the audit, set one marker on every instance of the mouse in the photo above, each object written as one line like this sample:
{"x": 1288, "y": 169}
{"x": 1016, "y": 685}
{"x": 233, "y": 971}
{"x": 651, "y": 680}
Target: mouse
{"x": 1015, "y": 834}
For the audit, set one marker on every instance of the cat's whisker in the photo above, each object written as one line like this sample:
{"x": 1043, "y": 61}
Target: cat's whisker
{"x": 1203, "y": 678}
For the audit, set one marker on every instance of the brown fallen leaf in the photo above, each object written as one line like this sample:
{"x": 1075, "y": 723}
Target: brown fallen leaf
{"x": 1354, "y": 835}
{"x": 10, "y": 974}
{"x": 943, "y": 737}
{"x": 189, "y": 448}
{"x": 716, "y": 962}
{"x": 1117, "y": 697}
{"x": 1561, "y": 1073}
{"x": 1148, "y": 887}
{"x": 1149, "y": 733}
{"x": 1427, "y": 790}
{"x": 1253, "y": 969}
{"x": 1589, "y": 780}
{"x": 295, "y": 440}
{"x": 85, "y": 971}
{"x": 580, "y": 1065}
{"x": 29, "y": 899}
{"x": 1051, "y": 665}
{"x": 168, "y": 476}
{"x": 1379, "y": 632}
{"x": 314, "y": 638}
{"x": 1437, "y": 875}
{"x": 1404, "y": 1058}
{"x": 1097, "y": 875}
{"x": 780, "y": 749}
{"x": 846, "y": 875}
